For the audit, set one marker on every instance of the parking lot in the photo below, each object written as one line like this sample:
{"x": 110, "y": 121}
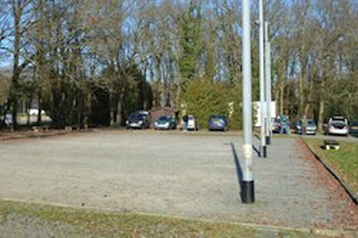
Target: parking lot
{"x": 191, "y": 175}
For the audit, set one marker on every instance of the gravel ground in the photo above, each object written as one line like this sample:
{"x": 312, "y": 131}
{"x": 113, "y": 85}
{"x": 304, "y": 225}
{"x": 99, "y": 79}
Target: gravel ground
{"x": 176, "y": 174}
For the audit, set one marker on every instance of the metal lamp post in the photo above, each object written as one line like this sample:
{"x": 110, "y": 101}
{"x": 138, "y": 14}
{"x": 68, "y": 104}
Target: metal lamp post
{"x": 247, "y": 185}
{"x": 268, "y": 85}
{"x": 263, "y": 148}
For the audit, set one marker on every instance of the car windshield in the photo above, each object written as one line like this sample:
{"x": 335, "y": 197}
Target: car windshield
{"x": 338, "y": 119}
{"x": 311, "y": 123}
{"x": 136, "y": 117}
{"x": 217, "y": 117}
{"x": 163, "y": 118}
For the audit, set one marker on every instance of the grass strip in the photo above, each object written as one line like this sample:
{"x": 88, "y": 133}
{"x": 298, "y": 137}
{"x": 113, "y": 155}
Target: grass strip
{"x": 343, "y": 161}
{"x": 109, "y": 224}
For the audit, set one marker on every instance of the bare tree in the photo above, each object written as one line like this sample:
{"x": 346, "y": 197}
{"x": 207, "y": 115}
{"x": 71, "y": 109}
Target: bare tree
{"x": 21, "y": 22}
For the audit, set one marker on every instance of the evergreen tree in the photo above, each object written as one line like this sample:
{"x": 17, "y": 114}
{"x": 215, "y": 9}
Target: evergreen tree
{"x": 190, "y": 43}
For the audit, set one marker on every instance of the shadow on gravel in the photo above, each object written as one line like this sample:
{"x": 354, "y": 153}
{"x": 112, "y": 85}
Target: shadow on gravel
{"x": 238, "y": 168}
{"x": 253, "y": 146}
{"x": 256, "y": 150}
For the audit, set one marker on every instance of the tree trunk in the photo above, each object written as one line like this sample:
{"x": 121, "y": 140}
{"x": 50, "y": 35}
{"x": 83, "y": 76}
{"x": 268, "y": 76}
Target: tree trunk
{"x": 282, "y": 96}
{"x": 301, "y": 97}
{"x": 307, "y": 105}
{"x": 158, "y": 95}
{"x": 28, "y": 106}
{"x": 178, "y": 92}
{"x": 87, "y": 111}
{"x": 39, "y": 115}
{"x": 119, "y": 111}
{"x": 112, "y": 110}
{"x": 17, "y": 8}
{"x": 320, "y": 115}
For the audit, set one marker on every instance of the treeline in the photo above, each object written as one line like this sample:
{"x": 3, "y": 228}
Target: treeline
{"x": 94, "y": 62}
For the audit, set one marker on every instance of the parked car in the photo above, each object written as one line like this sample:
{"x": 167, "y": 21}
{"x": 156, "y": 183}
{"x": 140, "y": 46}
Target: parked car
{"x": 192, "y": 123}
{"x": 311, "y": 128}
{"x": 218, "y": 122}
{"x": 353, "y": 128}
{"x": 167, "y": 122}
{"x": 275, "y": 125}
{"x": 35, "y": 112}
{"x": 138, "y": 120}
{"x": 337, "y": 125}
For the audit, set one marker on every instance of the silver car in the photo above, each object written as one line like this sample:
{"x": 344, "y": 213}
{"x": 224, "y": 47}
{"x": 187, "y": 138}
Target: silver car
{"x": 311, "y": 127}
{"x": 337, "y": 125}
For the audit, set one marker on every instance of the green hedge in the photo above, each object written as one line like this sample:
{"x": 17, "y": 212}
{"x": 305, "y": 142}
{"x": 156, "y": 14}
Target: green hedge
{"x": 203, "y": 98}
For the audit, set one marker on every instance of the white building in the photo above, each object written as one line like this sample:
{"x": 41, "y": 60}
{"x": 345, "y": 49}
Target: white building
{"x": 257, "y": 112}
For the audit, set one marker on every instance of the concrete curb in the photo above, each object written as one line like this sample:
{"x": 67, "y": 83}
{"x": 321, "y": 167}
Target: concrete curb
{"x": 350, "y": 191}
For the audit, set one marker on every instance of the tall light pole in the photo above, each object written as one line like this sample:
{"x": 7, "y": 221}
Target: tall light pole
{"x": 268, "y": 85}
{"x": 263, "y": 149}
{"x": 247, "y": 185}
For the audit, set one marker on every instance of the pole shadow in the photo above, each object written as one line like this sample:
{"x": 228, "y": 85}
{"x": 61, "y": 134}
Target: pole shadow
{"x": 256, "y": 150}
{"x": 239, "y": 172}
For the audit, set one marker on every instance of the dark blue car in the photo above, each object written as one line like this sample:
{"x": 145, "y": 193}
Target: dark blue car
{"x": 353, "y": 128}
{"x": 218, "y": 122}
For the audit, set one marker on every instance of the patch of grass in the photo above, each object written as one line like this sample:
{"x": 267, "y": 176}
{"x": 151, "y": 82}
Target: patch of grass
{"x": 101, "y": 224}
{"x": 344, "y": 161}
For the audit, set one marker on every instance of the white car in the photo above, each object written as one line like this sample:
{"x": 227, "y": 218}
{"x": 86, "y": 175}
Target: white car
{"x": 35, "y": 111}
{"x": 337, "y": 125}
{"x": 192, "y": 123}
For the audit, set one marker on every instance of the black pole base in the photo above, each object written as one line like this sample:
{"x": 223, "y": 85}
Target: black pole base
{"x": 247, "y": 192}
{"x": 268, "y": 140}
{"x": 263, "y": 151}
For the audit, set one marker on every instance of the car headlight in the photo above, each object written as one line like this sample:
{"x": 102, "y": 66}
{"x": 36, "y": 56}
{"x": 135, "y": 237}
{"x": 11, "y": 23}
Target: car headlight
{"x": 140, "y": 122}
